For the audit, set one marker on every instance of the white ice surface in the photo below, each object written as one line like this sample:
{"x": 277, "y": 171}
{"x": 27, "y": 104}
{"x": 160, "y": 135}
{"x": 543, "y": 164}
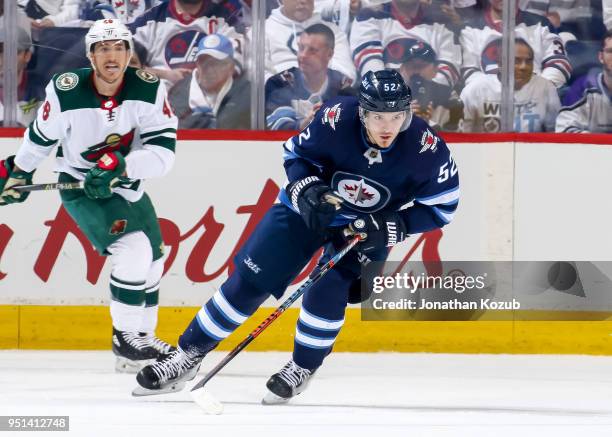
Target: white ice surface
{"x": 351, "y": 395}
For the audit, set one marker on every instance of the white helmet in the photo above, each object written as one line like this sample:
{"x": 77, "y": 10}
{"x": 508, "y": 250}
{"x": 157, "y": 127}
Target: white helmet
{"x": 107, "y": 30}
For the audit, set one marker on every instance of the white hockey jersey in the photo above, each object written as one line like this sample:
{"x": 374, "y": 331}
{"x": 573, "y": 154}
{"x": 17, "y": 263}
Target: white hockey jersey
{"x": 592, "y": 113}
{"x": 375, "y": 30}
{"x": 481, "y": 44}
{"x": 281, "y": 44}
{"x": 137, "y": 122}
{"x": 124, "y": 10}
{"x": 535, "y": 105}
{"x": 171, "y": 40}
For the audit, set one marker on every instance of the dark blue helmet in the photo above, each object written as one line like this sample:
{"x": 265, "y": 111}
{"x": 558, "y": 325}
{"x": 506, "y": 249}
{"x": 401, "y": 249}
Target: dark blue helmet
{"x": 384, "y": 91}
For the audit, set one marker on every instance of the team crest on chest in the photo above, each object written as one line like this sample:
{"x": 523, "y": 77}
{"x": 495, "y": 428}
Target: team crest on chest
{"x": 360, "y": 193}
{"x": 113, "y": 142}
{"x": 146, "y": 76}
{"x": 66, "y": 81}
{"x": 332, "y": 115}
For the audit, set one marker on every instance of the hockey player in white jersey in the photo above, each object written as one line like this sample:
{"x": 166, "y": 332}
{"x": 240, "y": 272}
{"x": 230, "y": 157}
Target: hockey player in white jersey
{"x": 113, "y": 128}
{"x": 481, "y": 45}
{"x": 376, "y": 34}
{"x": 536, "y": 102}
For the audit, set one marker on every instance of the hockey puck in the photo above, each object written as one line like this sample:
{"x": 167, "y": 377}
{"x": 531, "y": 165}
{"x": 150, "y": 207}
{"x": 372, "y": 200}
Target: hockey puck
{"x": 206, "y": 401}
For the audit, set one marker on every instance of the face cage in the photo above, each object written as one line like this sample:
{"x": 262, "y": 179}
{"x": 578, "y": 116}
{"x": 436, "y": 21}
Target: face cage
{"x": 364, "y": 112}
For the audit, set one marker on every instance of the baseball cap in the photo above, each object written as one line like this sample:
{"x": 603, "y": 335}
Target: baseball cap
{"x": 24, "y": 42}
{"x": 216, "y": 45}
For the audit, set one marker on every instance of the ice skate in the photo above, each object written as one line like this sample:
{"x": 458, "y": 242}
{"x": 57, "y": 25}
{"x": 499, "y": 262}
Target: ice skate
{"x": 135, "y": 350}
{"x": 167, "y": 375}
{"x": 290, "y": 381}
{"x": 162, "y": 348}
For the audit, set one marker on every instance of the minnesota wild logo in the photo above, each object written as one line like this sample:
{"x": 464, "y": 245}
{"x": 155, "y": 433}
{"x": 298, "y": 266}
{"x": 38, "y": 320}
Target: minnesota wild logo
{"x": 111, "y": 143}
{"x": 67, "y": 81}
{"x": 146, "y": 76}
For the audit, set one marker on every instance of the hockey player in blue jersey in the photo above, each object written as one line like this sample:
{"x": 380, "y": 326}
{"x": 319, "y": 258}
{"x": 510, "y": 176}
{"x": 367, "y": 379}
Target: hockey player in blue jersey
{"x": 395, "y": 178}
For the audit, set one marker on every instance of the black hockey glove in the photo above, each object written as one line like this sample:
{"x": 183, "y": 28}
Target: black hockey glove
{"x": 379, "y": 230}
{"x": 9, "y": 178}
{"x": 315, "y": 202}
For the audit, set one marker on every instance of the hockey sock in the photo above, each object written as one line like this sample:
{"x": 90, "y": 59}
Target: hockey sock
{"x": 320, "y": 321}
{"x": 229, "y": 308}
{"x": 149, "y": 318}
{"x": 131, "y": 258}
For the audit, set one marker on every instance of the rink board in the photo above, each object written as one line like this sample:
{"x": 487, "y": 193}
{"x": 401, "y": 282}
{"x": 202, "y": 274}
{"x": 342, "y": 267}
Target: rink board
{"x": 523, "y": 198}
{"x": 87, "y": 327}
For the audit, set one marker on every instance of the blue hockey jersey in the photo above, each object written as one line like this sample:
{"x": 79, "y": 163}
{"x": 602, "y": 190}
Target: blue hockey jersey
{"x": 416, "y": 175}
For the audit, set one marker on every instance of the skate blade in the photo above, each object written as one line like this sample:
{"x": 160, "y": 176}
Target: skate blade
{"x": 173, "y": 388}
{"x": 272, "y": 399}
{"x": 123, "y": 365}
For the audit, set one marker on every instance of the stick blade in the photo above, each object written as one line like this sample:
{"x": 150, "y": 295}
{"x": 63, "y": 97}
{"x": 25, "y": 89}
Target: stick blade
{"x": 207, "y": 402}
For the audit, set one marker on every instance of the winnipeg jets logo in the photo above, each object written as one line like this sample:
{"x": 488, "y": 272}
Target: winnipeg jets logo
{"x": 429, "y": 141}
{"x": 181, "y": 49}
{"x": 332, "y": 115}
{"x": 359, "y": 193}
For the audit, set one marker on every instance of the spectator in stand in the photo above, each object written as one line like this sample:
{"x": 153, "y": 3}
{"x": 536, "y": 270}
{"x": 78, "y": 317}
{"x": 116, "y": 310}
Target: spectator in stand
{"x": 171, "y": 31}
{"x": 536, "y": 102}
{"x": 283, "y": 27}
{"x": 581, "y": 19}
{"x": 126, "y": 11}
{"x": 374, "y": 31}
{"x": 50, "y": 13}
{"x": 593, "y": 112}
{"x": 607, "y": 13}
{"x": 28, "y": 97}
{"x": 596, "y": 77}
{"x": 481, "y": 44}
{"x": 339, "y": 12}
{"x": 293, "y": 96}
{"x": 430, "y": 101}
{"x": 210, "y": 97}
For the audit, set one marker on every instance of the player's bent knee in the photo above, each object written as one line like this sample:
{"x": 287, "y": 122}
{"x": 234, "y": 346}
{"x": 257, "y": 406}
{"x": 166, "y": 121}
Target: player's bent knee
{"x": 131, "y": 256}
{"x": 238, "y": 290}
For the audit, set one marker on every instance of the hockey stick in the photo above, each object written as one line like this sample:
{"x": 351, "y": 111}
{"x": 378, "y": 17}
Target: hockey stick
{"x": 50, "y": 186}
{"x": 205, "y": 400}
